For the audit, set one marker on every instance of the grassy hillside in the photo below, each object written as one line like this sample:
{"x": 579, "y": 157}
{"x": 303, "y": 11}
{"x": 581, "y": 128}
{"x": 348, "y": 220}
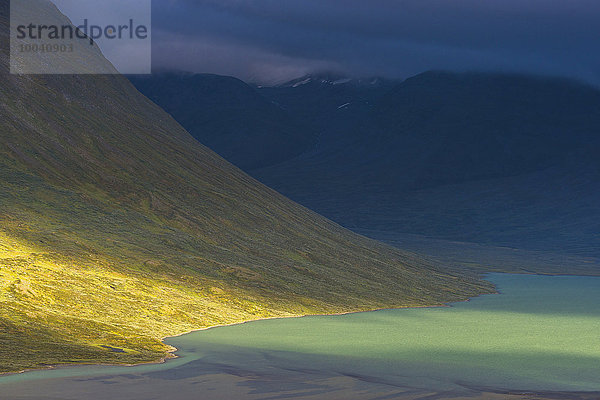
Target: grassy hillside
{"x": 118, "y": 228}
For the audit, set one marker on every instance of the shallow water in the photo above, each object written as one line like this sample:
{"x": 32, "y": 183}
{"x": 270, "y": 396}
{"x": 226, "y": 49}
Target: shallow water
{"x": 540, "y": 333}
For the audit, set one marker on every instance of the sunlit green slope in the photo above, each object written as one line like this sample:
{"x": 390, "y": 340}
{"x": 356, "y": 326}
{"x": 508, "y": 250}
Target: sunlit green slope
{"x": 117, "y": 228}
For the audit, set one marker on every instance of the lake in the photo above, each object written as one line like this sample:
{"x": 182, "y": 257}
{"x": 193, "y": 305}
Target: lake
{"x": 541, "y": 334}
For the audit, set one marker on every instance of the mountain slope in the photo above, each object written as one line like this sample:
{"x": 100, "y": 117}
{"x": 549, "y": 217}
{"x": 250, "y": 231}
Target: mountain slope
{"x": 257, "y": 127}
{"x": 496, "y": 159}
{"x": 117, "y": 228}
{"x": 228, "y": 116}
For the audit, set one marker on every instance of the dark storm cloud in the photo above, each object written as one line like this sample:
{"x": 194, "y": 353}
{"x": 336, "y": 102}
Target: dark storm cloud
{"x": 277, "y": 39}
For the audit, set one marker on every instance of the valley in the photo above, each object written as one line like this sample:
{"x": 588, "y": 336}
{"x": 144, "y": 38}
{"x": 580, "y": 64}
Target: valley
{"x": 118, "y": 229}
{"x": 333, "y": 236}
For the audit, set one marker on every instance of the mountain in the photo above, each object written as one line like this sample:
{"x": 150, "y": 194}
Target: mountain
{"x": 496, "y": 159}
{"x": 118, "y": 228}
{"x": 478, "y": 126}
{"x": 256, "y": 127}
{"x": 504, "y": 160}
{"x": 336, "y": 107}
{"x": 229, "y": 116}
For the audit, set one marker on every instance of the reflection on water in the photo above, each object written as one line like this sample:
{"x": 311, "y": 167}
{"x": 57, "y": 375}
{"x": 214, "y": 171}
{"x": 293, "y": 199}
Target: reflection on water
{"x": 541, "y": 333}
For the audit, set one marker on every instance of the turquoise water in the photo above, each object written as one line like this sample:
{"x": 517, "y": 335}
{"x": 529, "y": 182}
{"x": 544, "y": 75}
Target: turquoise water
{"x": 540, "y": 333}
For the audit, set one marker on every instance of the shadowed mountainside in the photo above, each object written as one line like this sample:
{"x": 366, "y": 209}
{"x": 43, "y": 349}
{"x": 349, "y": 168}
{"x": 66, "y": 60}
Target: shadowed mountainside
{"x": 229, "y": 117}
{"x": 503, "y": 160}
{"x": 118, "y": 228}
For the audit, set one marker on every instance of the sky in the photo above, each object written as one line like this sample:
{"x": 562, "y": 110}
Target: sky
{"x": 276, "y": 40}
